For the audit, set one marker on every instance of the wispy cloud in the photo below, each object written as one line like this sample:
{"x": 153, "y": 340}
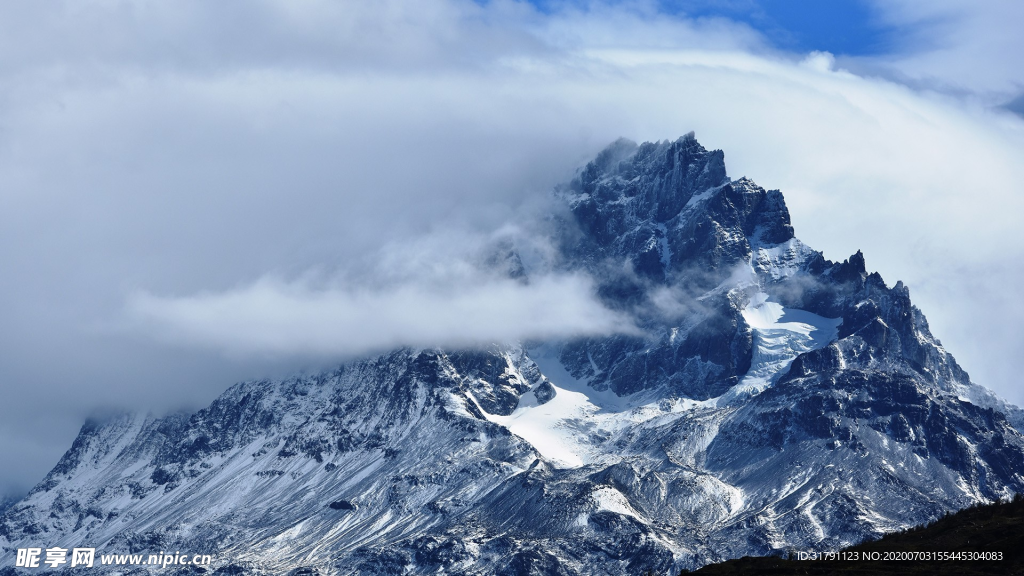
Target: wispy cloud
{"x": 965, "y": 47}
{"x": 274, "y": 317}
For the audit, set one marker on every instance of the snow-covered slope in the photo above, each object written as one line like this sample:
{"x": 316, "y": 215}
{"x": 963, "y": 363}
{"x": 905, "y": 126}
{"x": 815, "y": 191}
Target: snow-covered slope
{"x": 775, "y": 400}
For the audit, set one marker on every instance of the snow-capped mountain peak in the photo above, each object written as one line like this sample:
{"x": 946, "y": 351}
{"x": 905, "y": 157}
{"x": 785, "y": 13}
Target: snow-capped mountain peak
{"x": 772, "y": 400}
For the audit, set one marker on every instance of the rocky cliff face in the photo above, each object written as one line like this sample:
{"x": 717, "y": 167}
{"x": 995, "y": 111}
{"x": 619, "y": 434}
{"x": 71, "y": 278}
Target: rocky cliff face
{"x": 772, "y": 400}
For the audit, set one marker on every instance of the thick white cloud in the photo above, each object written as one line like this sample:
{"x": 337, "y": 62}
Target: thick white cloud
{"x": 272, "y": 317}
{"x": 161, "y": 162}
{"x": 449, "y": 288}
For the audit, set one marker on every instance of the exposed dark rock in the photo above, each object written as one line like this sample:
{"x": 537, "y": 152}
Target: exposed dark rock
{"x": 544, "y": 392}
{"x": 343, "y": 505}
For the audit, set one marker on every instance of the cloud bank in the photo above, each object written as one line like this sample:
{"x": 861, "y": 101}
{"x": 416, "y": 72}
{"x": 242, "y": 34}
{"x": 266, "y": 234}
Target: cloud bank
{"x": 284, "y": 318}
{"x": 206, "y": 170}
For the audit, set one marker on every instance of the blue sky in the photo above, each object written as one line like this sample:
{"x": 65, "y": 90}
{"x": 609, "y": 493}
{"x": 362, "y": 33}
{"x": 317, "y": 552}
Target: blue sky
{"x": 842, "y": 27}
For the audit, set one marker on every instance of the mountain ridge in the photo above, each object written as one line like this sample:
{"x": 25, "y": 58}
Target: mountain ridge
{"x": 983, "y": 539}
{"x": 774, "y": 400}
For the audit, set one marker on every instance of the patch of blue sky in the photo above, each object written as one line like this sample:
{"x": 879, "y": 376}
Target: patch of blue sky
{"x": 842, "y": 27}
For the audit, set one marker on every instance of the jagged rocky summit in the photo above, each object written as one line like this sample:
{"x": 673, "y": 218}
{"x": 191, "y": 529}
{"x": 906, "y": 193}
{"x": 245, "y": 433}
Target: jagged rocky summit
{"x": 771, "y": 400}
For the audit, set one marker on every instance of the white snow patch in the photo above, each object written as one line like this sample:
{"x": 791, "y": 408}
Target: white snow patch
{"x": 779, "y": 260}
{"x": 780, "y": 335}
{"x": 698, "y": 198}
{"x": 289, "y": 534}
{"x": 611, "y": 500}
{"x": 569, "y": 429}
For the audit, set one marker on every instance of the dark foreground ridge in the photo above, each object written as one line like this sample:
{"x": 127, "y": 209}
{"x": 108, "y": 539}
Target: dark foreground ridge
{"x": 991, "y": 528}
